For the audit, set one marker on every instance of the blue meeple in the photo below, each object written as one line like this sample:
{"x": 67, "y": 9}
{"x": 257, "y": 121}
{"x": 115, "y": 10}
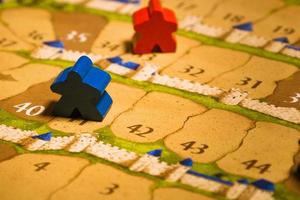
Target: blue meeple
{"x": 83, "y": 91}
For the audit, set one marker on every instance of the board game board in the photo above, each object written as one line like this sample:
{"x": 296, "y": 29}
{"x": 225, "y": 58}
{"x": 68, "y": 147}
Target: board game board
{"x": 217, "y": 119}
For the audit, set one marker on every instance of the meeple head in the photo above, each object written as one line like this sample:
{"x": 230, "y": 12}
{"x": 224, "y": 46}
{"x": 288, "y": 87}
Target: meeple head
{"x": 155, "y": 8}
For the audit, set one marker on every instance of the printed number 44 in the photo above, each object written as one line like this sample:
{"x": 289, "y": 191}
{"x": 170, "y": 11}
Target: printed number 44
{"x": 29, "y": 109}
{"x": 253, "y": 164}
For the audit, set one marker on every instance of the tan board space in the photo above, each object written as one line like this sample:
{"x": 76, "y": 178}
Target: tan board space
{"x": 284, "y": 22}
{"x": 198, "y": 8}
{"x": 9, "y": 41}
{"x": 234, "y": 12}
{"x": 7, "y": 151}
{"x": 10, "y": 60}
{"x": 111, "y": 42}
{"x": 204, "y": 63}
{"x": 31, "y": 24}
{"x": 258, "y": 77}
{"x": 35, "y": 176}
{"x": 297, "y": 44}
{"x": 176, "y": 193}
{"x": 78, "y": 31}
{"x": 267, "y": 152}
{"x": 287, "y": 92}
{"x": 22, "y": 78}
{"x": 155, "y": 116}
{"x": 164, "y": 59}
{"x": 209, "y": 136}
{"x": 36, "y": 103}
{"x": 123, "y": 99}
{"x": 71, "y": 125}
{"x": 104, "y": 182}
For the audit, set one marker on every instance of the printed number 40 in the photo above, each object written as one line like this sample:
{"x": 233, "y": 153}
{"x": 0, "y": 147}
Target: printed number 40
{"x": 29, "y": 109}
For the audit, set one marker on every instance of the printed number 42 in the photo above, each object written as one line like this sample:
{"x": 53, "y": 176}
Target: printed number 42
{"x": 139, "y": 130}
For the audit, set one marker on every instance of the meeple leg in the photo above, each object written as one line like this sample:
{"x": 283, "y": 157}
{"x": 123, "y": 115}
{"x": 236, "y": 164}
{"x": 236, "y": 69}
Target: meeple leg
{"x": 143, "y": 46}
{"x": 168, "y": 44}
{"x": 63, "y": 108}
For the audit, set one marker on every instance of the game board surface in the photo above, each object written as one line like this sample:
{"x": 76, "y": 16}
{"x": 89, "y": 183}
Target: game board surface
{"x": 232, "y": 107}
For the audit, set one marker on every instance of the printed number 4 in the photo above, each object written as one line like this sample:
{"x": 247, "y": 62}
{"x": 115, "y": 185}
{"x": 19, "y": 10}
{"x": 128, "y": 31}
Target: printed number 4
{"x": 110, "y": 190}
{"x": 41, "y": 166}
{"x": 29, "y": 109}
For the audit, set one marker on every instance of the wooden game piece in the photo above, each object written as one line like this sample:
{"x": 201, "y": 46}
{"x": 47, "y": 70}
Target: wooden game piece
{"x": 184, "y": 45}
{"x": 83, "y": 91}
{"x": 154, "y": 26}
{"x": 122, "y": 101}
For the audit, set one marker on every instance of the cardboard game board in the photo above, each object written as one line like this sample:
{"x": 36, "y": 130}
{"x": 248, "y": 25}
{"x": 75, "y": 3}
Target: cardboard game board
{"x": 217, "y": 119}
